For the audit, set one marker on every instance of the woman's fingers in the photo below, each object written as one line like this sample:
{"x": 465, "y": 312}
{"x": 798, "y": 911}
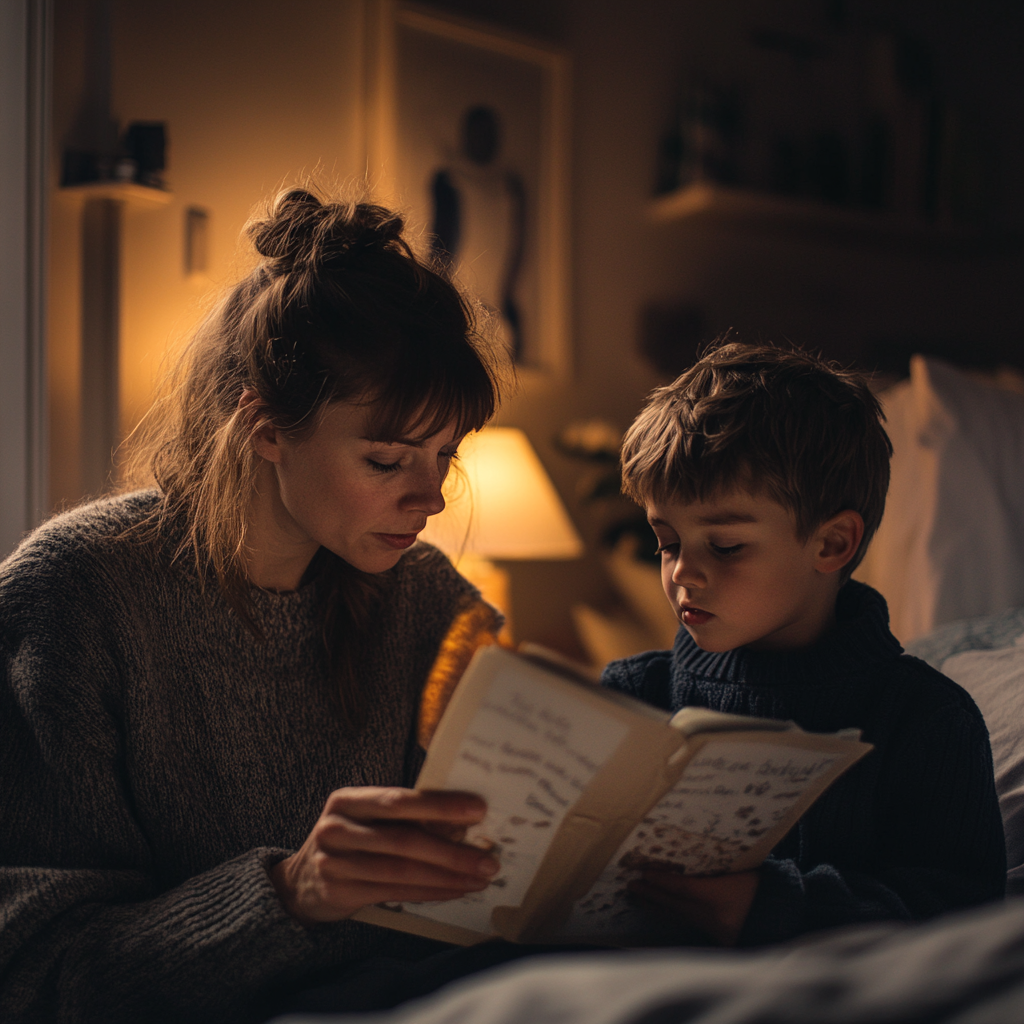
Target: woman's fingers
{"x": 364, "y": 894}
{"x": 446, "y": 830}
{"x": 377, "y": 803}
{"x": 717, "y": 904}
{"x": 344, "y": 838}
{"x": 405, "y": 823}
{"x": 362, "y": 866}
{"x": 376, "y": 844}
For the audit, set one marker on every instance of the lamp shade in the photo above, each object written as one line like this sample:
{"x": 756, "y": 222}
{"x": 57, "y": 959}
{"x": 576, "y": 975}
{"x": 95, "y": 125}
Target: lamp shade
{"x": 502, "y": 504}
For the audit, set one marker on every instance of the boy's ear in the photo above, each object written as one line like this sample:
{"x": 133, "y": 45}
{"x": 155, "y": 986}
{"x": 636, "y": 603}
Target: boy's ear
{"x": 265, "y": 440}
{"x": 837, "y": 540}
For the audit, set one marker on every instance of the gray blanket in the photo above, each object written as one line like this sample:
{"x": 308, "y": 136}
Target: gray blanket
{"x": 966, "y": 968}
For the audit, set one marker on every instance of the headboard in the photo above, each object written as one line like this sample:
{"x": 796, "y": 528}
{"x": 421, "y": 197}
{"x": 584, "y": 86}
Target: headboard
{"x": 951, "y": 544}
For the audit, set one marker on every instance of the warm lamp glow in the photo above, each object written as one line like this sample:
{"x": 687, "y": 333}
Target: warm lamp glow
{"x": 502, "y": 504}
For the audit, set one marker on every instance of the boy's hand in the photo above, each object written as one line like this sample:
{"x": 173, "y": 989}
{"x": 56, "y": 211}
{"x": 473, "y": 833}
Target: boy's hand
{"x": 716, "y": 904}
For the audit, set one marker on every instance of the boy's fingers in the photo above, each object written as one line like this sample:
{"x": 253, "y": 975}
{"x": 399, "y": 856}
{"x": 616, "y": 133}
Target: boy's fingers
{"x": 670, "y": 881}
{"x": 718, "y": 903}
{"x": 659, "y": 896}
{"x": 703, "y": 887}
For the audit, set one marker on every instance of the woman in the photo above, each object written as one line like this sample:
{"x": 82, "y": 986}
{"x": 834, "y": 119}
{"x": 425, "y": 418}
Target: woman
{"x": 192, "y": 671}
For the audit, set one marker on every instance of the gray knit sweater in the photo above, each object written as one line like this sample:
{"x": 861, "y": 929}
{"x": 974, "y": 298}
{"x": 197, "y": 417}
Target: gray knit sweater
{"x": 155, "y": 760}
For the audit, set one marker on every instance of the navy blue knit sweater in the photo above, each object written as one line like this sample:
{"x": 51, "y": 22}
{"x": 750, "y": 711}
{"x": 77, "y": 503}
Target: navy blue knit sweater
{"x": 913, "y": 829}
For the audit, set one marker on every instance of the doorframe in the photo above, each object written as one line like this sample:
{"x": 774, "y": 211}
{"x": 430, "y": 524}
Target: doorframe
{"x": 26, "y": 34}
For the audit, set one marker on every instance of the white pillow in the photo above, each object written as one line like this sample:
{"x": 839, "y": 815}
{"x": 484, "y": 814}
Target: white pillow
{"x": 986, "y": 657}
{"x": 951, "y": 544}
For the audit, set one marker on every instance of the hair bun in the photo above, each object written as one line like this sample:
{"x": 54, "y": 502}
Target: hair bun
{"x": 302, "y": 232}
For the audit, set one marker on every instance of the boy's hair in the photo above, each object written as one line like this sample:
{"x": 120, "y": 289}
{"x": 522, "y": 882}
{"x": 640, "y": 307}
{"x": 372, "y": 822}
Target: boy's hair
{"x": 775, "y": 421}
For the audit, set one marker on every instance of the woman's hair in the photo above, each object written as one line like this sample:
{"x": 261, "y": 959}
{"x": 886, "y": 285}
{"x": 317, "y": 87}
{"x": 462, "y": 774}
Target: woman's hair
{"x": 337, "y": 308}
{"x": 776, "y": 421}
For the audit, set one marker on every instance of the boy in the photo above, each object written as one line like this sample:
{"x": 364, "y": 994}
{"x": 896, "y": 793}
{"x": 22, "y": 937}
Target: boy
{"x": 764, "y": 474}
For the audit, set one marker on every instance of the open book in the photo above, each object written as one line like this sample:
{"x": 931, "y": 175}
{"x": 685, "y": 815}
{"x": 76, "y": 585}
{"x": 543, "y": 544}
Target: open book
{"x": 586, "y": 786}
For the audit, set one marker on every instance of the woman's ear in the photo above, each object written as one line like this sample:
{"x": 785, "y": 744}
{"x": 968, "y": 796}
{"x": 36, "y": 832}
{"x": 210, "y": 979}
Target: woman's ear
{"x": 265, "y": 439}
{"x": 837, "y": 540}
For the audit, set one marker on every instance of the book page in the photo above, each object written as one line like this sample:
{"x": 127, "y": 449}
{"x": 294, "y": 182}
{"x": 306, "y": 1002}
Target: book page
{"x": 729, "y": 796}
{"x": 530, "y": 751}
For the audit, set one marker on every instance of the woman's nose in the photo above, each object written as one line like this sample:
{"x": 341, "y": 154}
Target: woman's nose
{"x": 426, "y": 495}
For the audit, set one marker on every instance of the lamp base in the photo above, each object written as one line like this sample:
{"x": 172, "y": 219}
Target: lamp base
{"x": 494, "y": 586}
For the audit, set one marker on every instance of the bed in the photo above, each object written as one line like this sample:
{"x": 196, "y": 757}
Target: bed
{"x": 967, "y": 969}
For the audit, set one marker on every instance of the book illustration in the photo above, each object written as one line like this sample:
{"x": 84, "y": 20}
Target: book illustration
{"x": 728, "y": 797}
{"x": 530, "y": 753}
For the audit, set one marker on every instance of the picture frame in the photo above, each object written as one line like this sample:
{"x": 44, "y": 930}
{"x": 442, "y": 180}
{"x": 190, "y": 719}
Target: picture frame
{"x": 466, "y": 133}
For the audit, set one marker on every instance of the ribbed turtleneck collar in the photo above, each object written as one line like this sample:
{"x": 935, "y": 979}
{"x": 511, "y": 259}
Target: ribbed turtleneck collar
{"x": 860, "y": 639}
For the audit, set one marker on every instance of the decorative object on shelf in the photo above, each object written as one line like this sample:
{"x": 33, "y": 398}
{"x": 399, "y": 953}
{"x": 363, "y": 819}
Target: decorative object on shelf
{"x": 705, "y": 139}
{"x": 501, "y": 505}
{"x": 833, "y": 113}
{"x": 140, "y": 157}
{"x": 597, "y": 441}
{"x": 628, "y": 552}
{"x": 468, "y": 128}
{"x": 145, "y": 146}
{"x": 647, "y": 622}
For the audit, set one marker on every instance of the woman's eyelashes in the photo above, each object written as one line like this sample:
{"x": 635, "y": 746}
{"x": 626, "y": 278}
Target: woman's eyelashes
{"x": 381, "y": 465}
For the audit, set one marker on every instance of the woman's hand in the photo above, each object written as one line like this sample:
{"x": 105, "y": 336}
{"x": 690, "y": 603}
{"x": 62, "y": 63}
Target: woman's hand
{"x": 716, "y": 904}
{"x": 373, "y": 844}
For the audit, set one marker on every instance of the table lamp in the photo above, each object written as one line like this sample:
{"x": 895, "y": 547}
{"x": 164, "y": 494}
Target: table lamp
{"x": 501, "y": 504}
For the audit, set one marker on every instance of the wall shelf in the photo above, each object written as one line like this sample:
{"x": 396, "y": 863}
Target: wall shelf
{"x": 132, "y": 194}
{"x": 726, "y": 205}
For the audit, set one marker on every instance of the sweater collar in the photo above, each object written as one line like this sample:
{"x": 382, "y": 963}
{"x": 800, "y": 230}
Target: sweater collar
{"x": 859, "y": 640}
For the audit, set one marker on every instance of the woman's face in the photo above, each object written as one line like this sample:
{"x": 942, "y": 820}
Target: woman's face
{"x": 364, "y": 500}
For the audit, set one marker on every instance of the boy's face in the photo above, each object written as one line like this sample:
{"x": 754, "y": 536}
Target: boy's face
{"x": 737, "y": 574}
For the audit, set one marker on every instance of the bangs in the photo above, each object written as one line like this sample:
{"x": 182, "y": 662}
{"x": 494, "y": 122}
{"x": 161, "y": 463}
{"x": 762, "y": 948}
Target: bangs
{"x": 410, "y": 353}
{"x": 675, "y": 473}
{"x": 662, "y": 461}
{"x": 419, "y": 401}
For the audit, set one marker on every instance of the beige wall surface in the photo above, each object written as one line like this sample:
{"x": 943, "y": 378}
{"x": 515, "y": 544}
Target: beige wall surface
{"x": 254, "y": 96}
{"x": 256, "y": 93}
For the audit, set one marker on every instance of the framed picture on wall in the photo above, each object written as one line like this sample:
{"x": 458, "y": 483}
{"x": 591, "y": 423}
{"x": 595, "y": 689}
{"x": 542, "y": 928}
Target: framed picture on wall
{"x": 467, "y": 133}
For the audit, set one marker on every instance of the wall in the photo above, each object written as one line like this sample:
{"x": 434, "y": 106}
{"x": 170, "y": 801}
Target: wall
{"x": 255, "y": 93}
{"x": 628, "y": 60}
